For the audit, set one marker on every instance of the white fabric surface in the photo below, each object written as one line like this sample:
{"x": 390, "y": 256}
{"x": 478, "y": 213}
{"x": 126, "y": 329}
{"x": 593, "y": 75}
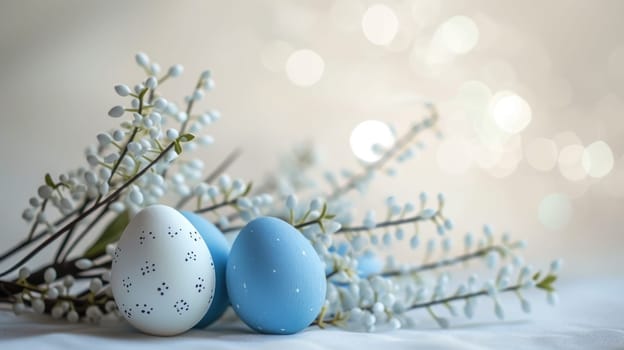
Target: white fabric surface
{"x": 590, "y": 316}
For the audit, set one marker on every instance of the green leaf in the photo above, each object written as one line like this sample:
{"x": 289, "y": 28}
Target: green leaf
{"x": 547, "y": 283}
{"x": 323, "y": 211}
{"x": 177, "y": 147}
{"x": 186, "y": 137}
{"x": 247, "y": 189}
{"x": 536, "y": 276}
{"x": 111, "y": 234}
{"x": 49, "y": 181}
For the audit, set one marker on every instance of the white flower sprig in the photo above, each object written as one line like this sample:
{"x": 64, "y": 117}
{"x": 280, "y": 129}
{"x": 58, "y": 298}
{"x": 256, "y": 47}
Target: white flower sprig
{"x": 144, "y": 161}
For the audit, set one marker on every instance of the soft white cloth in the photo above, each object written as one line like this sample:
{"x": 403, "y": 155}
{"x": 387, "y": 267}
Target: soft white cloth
{"x": 590, "y": 316}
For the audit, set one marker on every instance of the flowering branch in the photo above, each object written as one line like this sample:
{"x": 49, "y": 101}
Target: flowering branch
{"x": 445, "y": 262}
{"x": 130, "y": 178}
{"x": 71, "y": 224}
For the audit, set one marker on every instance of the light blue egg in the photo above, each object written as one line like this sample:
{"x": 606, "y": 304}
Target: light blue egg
{"x": 275, "y": 279}
{"x": 219, "y": 249}
{"x": 369, "y": 264}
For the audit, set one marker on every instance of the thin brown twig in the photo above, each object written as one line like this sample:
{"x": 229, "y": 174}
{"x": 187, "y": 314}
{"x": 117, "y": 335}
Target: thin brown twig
{"x": 86, "y": 213}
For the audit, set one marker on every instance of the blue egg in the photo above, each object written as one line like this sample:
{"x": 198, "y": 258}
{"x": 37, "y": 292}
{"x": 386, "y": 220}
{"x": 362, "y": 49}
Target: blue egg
{"x": 219, "y": 249}
{"x": 275, "y": 279}
{"x": 368, "y": 264}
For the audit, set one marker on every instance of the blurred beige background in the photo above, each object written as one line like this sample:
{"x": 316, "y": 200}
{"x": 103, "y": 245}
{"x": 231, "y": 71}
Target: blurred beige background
{"x": 562, "y": 63}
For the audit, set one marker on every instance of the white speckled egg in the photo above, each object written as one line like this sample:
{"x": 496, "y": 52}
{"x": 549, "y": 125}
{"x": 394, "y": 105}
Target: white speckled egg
{"x": 162, "y": 275}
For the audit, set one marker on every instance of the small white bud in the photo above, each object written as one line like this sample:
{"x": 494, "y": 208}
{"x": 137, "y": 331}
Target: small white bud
{"x": 118, "y": 135}
{"x": 106, "y": 276}
{"x": 553, "y": 298}
{"x": 498, "y": 310}
{"x": 104, "y": 139}
{"x": 66, "y": 204}
{"x": 151, "y": 83}
{"x": 176, "y": 70}
{"x": 110, "y": 306}
{"x": 555, "y": 266}
{"x": 57, "y": 312}
{"x": 141, "y": 59}
{"x": 122, "y": 90}
{"x": 95, "y": 285}
{"x": 526, "y": 306}
{"x": 44, "y": 191}
{"x": 135, "y": 148}
{"x": 68, "y": 280}
{"x": 116, "y": 111}
{"x": 224, "y": 223}
{"x": 181, "y": 117}
{"x": 49, "y": 275}
{"x": 414, "y": 241}
{"x": 213, "y": 192}
{"x": 198, "y": 95}
{"x": 160, "y": 104}
{"x": 117, "y": 207}
{"x": 24, "y": 273}
{"x": 34, "y": 201}
{"x": 316, "y": 204}
{"x": 41, "y": 217}
{"x": 38, "y": 306}
{"x": 136, "y": 196}
{"x": 84, "y": 264}
{"x": 28, "y": 214}
{"x": 225, "y": 182}
{"x": 103, "y": 188}
{"x": 72, "y": 316}
{"x": 19, "y": 308}
{"x": 172, "y": 134}
{"x": 154, "y": 68}
{"x": 291, "y": 202}
{"x": 238, "y": 186}
{"x": 90, "y": 177}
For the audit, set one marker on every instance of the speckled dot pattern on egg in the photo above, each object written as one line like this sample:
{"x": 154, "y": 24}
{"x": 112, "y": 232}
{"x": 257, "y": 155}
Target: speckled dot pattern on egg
{"x": 275, "y": 279}
{"x": 162, "y": 276}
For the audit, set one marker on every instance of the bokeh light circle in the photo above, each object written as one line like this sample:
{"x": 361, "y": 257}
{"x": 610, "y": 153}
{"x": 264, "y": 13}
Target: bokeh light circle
{"x": 597, "y": 159}
{"x": 510, "y": 112}
{"x": 305, "y": 67}
{"x": 366, "y": 135}
{"x": 458, "y": 34}
{"x": 380, "y": 24}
